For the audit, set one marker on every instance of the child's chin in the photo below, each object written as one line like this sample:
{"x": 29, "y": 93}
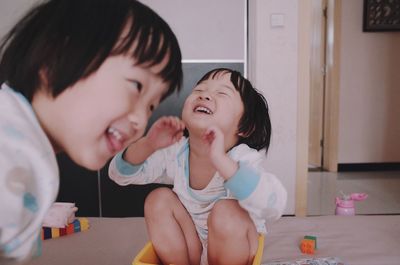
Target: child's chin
{"x": 200, "y": 127}
{"x": 92, "y": 164}
{"x": 94, "y": 168}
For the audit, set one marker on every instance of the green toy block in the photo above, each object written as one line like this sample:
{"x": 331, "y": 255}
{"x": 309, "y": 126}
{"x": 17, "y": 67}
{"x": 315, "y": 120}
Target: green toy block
{"x": 312, "y": 238}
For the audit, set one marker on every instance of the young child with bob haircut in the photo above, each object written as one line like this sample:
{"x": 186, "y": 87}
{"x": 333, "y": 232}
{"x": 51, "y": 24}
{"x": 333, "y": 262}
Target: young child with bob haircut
{"x": 81, "y": 77}
{"x": 222, "y": 198}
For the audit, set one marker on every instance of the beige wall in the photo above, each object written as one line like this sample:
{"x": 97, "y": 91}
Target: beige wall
{"x": 369, "y": 111}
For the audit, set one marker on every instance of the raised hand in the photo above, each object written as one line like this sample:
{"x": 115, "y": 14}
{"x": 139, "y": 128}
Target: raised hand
{"x": 164, "y": 132}
{"x": 214, "y": 138}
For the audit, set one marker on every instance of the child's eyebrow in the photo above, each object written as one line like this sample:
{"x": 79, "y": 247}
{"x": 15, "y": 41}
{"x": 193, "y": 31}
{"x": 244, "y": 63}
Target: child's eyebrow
{"x": 229, "y": 87}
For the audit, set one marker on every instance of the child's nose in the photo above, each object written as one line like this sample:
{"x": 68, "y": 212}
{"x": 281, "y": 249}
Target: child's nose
{"x": 205, "y": 96}
{"x": 138, "y": 120}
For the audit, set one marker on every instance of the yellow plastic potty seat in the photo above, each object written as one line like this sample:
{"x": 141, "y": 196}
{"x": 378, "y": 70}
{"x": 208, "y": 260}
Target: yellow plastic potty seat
{"x": 148, "y": 256}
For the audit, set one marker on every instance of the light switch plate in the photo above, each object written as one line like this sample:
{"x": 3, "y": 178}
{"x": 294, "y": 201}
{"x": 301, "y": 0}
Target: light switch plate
{"x": 277, "y": 20}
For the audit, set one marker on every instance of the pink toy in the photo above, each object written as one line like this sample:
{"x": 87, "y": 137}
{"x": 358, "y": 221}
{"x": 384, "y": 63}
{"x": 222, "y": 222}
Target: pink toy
{"x": 345, "y": 205}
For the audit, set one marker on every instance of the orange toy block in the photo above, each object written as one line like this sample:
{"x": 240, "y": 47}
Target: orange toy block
{"x": 307, "y": 246}
{"x": 70, "y": 229}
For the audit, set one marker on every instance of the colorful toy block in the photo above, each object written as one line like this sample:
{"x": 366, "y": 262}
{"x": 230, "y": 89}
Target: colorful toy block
{"x": 84, "y": 223}
{"x": 312, "y": 238}
{"x": 55, "y": 232}
{"x": 78, "y": 225}
{"x": 308, "y": 245}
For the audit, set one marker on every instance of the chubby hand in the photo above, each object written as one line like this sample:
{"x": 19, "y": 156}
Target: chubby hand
{"x": 165, "y": 132}
{"x": 215, "y": 140}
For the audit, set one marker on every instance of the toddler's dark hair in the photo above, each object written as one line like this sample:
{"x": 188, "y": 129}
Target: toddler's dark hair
{"x": 255, "y": 123}
{"x": 67, "y": 40}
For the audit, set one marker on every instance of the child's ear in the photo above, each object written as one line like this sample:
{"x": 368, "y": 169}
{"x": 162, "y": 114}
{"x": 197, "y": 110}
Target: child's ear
{"x": 246, "y": 134}
{"x": 241, "y": 134}
{"x": 43, "y": 78}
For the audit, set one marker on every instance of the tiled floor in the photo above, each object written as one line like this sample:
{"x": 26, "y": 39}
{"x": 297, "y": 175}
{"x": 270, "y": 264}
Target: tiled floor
{"x": 383, "y": 189}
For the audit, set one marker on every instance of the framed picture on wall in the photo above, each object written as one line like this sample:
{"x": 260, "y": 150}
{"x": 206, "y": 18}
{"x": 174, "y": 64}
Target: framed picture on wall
{"x": 381, "y": 15}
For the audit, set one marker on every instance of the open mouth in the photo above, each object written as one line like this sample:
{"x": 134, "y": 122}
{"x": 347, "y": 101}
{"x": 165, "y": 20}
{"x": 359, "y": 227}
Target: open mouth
{"x": 115, "y": 133}
{"x": 115, "y": 139}
{"x": 203, "y": 109}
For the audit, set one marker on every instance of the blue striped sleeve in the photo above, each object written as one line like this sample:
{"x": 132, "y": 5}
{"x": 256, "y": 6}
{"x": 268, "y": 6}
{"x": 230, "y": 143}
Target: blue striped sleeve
{"x": 243, "y": 182}
{"x": 125, "y": 168}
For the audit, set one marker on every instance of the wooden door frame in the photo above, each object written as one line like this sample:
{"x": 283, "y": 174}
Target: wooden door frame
{"x": 332, "y": 83}
{"x": 331, "y": 115}
{"x": 303, "y": 105}
{"x": 317, "y": 83}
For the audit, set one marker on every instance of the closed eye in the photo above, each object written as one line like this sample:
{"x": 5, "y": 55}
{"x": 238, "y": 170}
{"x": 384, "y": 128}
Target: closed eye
{"x": 136, "y": 85}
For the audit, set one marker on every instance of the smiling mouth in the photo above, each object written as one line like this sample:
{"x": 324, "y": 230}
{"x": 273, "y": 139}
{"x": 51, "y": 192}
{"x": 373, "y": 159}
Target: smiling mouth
{"x": 115, "y": 139}
{"x": 115, "y": 133}
{"x": 204, "y": 110}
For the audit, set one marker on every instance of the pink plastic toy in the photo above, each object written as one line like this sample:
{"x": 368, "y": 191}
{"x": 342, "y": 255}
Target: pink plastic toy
{"x": 345, "y": 205}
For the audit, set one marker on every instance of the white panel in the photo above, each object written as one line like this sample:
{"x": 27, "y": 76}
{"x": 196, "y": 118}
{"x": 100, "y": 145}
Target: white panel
{"x": 273, "y": 69}
{"x": 206, "y": 29}
{"x": 11, "y": 11}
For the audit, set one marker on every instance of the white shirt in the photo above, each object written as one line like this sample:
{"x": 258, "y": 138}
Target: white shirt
{"x": 28, "y": 176}
{"x": 260, "y": 193}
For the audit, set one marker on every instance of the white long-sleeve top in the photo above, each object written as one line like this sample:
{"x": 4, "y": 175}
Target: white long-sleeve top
{"x": 28, "y": 177}
{"x": 260, "y": 193}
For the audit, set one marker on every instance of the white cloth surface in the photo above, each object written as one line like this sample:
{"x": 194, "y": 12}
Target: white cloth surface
{"x": 28, "y": 176}
{"x": 60, "y": 215}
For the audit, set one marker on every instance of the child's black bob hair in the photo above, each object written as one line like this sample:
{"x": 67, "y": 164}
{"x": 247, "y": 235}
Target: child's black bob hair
{"x": 67, "y": 40}
{"x": 255, "y": 123}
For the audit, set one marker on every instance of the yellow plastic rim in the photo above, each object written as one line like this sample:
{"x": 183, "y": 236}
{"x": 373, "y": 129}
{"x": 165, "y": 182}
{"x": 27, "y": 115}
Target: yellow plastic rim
{"x": 148, "y": 256}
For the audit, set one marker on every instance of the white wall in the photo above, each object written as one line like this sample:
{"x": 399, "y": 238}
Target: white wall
{"x": 206, "y": 29}
{"x": 273, "y": 69}
{"x": 369, "y": 117}
{"x": 11, "y": 11}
